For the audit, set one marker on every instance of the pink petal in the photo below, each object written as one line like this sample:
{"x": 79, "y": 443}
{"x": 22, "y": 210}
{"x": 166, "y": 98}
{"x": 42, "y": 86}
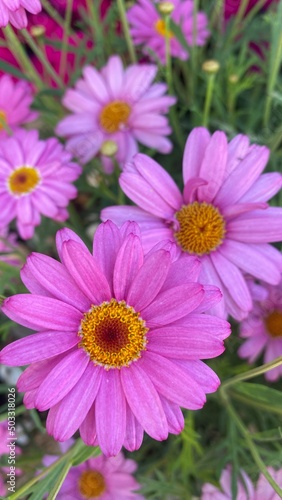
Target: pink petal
{"x": 185, "y": 269}
{"x": 110, "y": 425}
{"x": 39, "y": 312}
{"x": 138, "y": 387}
{"x": 133, "y": 431}
{"x": 194, "y": 151}
{"x": 174, "y": 416}
{"x": 38, "y": 347}
{"x": 257, "y": 226}
{"x": 128, "y": 262}
{"x": 213, "y": 166}
{"x": 88, "y": 428}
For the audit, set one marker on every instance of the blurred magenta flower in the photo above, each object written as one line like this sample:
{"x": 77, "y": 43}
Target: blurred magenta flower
{"x": 15, "y": 12}
{"x": 120, "y": 105}
{"x": 102, "y": 478}
{"x": 15, "y": 102}
{"x": 121, "y": 338}
{"x": 148, "y": 27}
{"x": 232, "y": 6}
{"x": 221, "y": 216}
{"x": 9, "y": 248}
{"x": 246, "y": 490}
{"x": 36, "y": 178}
{"x": 262, "y": 328}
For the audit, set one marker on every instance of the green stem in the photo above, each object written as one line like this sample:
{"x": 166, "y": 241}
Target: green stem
{"x": 273, "y": 74}
{"x": 130, "y": 46}
{"x": 252, "y": 373}
{"x": 38, "y": 52}
{"x": 67, "y": 24}
{"x": 96, "y": 27}
{"x": 208, "y": 100}
{"x": 245, "y": 433}
{"x": 194, "y": 49}
{"x": 17, "y": 49}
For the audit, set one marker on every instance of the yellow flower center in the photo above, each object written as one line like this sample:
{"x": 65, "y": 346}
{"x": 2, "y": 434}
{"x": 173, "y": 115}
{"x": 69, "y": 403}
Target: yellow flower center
{"x": 3, "y": 119}
{"x": 91, "y": 484}
{"x": 161, "y": 29}
{"x": 114, "y": 115}
{"x": 273, "y": 324}
{"x": 113, "y": 334}
{"x": 202, "y": 228}
{"x": 23, "y": 180}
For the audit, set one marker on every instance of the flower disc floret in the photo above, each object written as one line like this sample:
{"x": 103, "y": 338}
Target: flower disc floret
{"x": 161, "y": 29}
{"x": 113, "y": 334}
{"x": 114, "y": 116}
{"x": 23, "y": 180}
{"x": 273, "y": 323}
{"x": 91, "y": 484}
{"x": 202, "y": 228}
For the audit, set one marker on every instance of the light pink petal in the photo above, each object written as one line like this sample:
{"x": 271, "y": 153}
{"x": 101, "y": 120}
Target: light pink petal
{"x": 194, "y": 151}
{"x": 251, "y": 260}
{"x": 133, "y": 431}
{"x": 61, "y": 379}
{"x": 237, "y": 150}
{"x": 191, "y": 187}
{"x": 128, "y": 262}
{"x": 233, "y": 280}
{"x": 38, "y": 347}
{"x": 173, "y": 304}
{"x": 34, "y": 375}
{"x": 106, "y": 244}
{"x": 138, "y": 387}
{"x": 88, "y": 429}
{"x": 114, "y": 76}
{"x": 66, "y": 235}
{"x": 212, "y": 297}
{"x": 39, "y": 312}
{"x": 96, "y": 84}
{"x": 144, "y": 289}
{"x": 203, "y": 374}
{"x": 264, "y": 490}
{"x": 154, "y": 140}
{"x": 238, "y": 183}
{"x": 252, "y": 348}
{"x": 138, "y": 79}
{"x": 174, "y": 416}
{"x": 83, "y": 269}
{"x": 213, "y": 167}
{"x": 213, "y": 325}
{"x": 42, "y": 272}
{"x": 66, "y": 416}
{"x": 181, "y": 343}
{"x": 172, "y": 381}
{"x": 120, "y": 213}
{"x": 266, "y": 186}
{"x": 209, "y": 275}
{"x": 110, "y": 423}
{"x": 258, "y": 226}
{"x": 185, "y": 269}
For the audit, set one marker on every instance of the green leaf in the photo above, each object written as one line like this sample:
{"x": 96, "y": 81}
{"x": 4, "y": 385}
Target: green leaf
{"x": 85, "y": 453}
{"x": 270, "y": 435}
{"x": 259, "y": 395}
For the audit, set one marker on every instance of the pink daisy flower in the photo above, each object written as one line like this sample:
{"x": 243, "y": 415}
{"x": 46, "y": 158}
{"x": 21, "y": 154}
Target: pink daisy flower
{"x": 222, "y": 215}
{"x": 15, "y": 101}
{"x": 36, "y": 178}
{"x": 14, "y": 12}
{"x": 116, "y": 352}
{"x": 148, "y": 27}
{"x": 262, "y": 328}
{"x": 102, "y": 478}
{"x": 246, "y": 490}
{"x": 117, "y": 105}
{"x": 9, "y": 248}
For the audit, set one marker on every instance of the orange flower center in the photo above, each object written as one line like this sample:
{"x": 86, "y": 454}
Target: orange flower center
{"x": 273, "y": 323}
{"x": 161, "y": 29}
{"x": 114, "y": 116}
{"x": 91, "y": 484}
{"x": 3, "y": 119}
{"x": 112, "y": 334}
{"x": 201, "y": 228}
{"x": 23, "y": 180}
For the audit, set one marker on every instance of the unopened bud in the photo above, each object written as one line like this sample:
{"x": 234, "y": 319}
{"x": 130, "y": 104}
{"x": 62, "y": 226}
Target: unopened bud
{"x": 233, "y": 78}
{"x": 38, "y": 30}
{"x": 211, "y": 66}
{"x": 109, "y": 148}
{"x": 166, "y": 8}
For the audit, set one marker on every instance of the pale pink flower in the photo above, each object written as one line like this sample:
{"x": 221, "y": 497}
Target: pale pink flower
{"x": 245, "y": 488}
{"x": 120, "y": 338}
{"x": 262, "y": 329}
{"x": 15, "y": 12}
{"x": 118, "y": 105}
{"x": 221, "y": 216}
{"x": 15, "y": 101}
{"x": 148, "y": 27}
{"x": 36, "y": 178}
{"x": 102, "y": 478}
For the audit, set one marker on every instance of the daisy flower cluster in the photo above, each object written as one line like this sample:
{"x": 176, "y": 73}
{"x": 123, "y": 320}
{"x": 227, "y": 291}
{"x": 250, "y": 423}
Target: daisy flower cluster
{"x": 140, "y": 249}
